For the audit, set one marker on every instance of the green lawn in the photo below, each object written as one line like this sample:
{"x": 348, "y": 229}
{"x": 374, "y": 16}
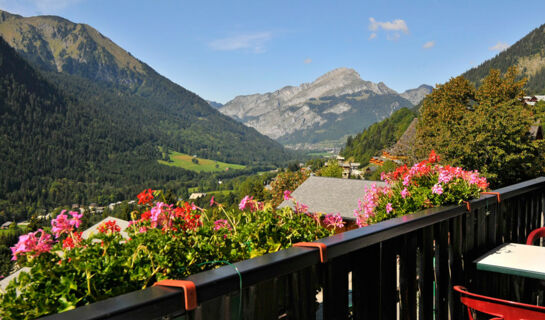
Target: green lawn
{"x": 223, "y": 192}
{"x": 320, "y": 154}
{"x": 183, "y": 160}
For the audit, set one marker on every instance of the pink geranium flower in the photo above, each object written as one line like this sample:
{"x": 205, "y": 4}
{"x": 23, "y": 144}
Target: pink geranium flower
{"x": 287, "y": 195}
{"x": 404, "y": 193}
{"x": 32, "y": 244}
{"x": 389, "y": 207}
{"x": 61, "y": 224}
{"x": 301, "y": 208}
{"x": 245, "y": 202}
{"x": 221, "y": 224}
{"x": 437, "y": 189}
{"x": 76, "y": 218}
{"x": 334, "y": 221}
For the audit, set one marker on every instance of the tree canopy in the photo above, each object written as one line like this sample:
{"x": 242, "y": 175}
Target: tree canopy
{"x": 485, "y": 129}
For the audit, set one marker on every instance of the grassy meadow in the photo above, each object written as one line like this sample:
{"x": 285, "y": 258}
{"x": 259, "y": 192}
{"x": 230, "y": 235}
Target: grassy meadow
{"x": 184, "y": 161}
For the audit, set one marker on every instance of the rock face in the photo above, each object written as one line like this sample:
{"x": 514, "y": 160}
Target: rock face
{"x": 416, "y": 95}
{"x": 321, "y": 113}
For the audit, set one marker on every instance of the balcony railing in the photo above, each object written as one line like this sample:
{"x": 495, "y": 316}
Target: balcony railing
{"x": 404, "y": 267}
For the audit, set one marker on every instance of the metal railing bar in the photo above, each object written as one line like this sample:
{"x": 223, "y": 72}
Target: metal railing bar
{"x": 150, "y": 303}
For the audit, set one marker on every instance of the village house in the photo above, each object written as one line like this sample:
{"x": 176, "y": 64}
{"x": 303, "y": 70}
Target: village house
{"x": 351, "y": 169}
{"x": 531, "y": 100}
{"x": 23, "y": 224}
{"x": 6, "y": 225}
{"x": 196, "y": 195}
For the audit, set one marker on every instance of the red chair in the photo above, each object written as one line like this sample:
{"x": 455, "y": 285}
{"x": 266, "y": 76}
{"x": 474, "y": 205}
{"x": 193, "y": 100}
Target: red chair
{"x": 500, "y": 309}
{"x": 534, "y": 235}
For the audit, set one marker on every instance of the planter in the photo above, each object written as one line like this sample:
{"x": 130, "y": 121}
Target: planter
{"x": 283, "y": 284}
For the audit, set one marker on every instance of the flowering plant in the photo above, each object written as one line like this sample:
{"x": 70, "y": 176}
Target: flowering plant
{"x": 426, "y": 184}
{"x": 164, "y": 241}
{"x": 331, "y": 221}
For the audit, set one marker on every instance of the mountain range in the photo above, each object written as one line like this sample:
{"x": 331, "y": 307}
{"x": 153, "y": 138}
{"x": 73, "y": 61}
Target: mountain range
{"x": 321, "y": 113}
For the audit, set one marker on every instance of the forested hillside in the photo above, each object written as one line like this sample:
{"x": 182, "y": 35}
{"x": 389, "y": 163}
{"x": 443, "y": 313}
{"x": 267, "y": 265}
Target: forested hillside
{"x": 56, "y": 149}
{"x": 88, "y": 65}
{"x": 528, "y": 54}
{"x": 378, "y": 136}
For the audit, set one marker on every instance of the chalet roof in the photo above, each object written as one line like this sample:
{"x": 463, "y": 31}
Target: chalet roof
{"x": 536, "y": 132}
{"x": 5, "y": 281}
{"x": 6, "y": 224}
{"x": 405, "y": 143}
{"x": 330, "y": 195}
{"x": 196, "y": 195}
{"x": 123, "y": 224}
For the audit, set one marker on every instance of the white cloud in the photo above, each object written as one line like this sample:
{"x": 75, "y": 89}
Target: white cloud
{"x": 252, "y": 41}
{"x": 395, "y": 25}
{"x": 429, "y": 45}
{"x": 33, "y": 7}
{"x": 372, "y": 36}
{"x": 500, "y": 46}
{"x": 308, "y": 60}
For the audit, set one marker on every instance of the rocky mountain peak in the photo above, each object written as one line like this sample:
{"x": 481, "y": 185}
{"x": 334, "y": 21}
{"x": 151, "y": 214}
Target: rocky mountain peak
{"x": 339, "y": 73}
{"x": 4, "y": 15}
{"x": 55, "y": 43}
{"x": 385, "y": 89}
{"x": 337, "y": 103}
{"x": 416, "y": 95}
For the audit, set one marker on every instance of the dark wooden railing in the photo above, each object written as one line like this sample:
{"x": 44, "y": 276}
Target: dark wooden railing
{"x": 404, "y": 267}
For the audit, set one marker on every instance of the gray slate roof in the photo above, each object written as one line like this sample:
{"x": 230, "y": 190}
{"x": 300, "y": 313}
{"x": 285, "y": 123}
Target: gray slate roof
{"x": 330, "y": 195}
{"x": 123, "y": 224}
{"x": 4, "y": 282}
{"x": 404, "y": 146}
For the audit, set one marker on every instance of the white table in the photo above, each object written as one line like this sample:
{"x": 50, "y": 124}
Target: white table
{"x": 515, "y": 259}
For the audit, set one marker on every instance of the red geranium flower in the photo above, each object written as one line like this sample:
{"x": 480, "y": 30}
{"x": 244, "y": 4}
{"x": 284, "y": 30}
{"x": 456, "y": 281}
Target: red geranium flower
{"x": 433, "y": 157}
{"x": 145, "y": 196}
{"x": 110, "y": 225}
{"x": 71, "y": 241}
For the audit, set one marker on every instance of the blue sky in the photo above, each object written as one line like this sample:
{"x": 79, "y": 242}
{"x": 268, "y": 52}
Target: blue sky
{"x": 221, "y": 49}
